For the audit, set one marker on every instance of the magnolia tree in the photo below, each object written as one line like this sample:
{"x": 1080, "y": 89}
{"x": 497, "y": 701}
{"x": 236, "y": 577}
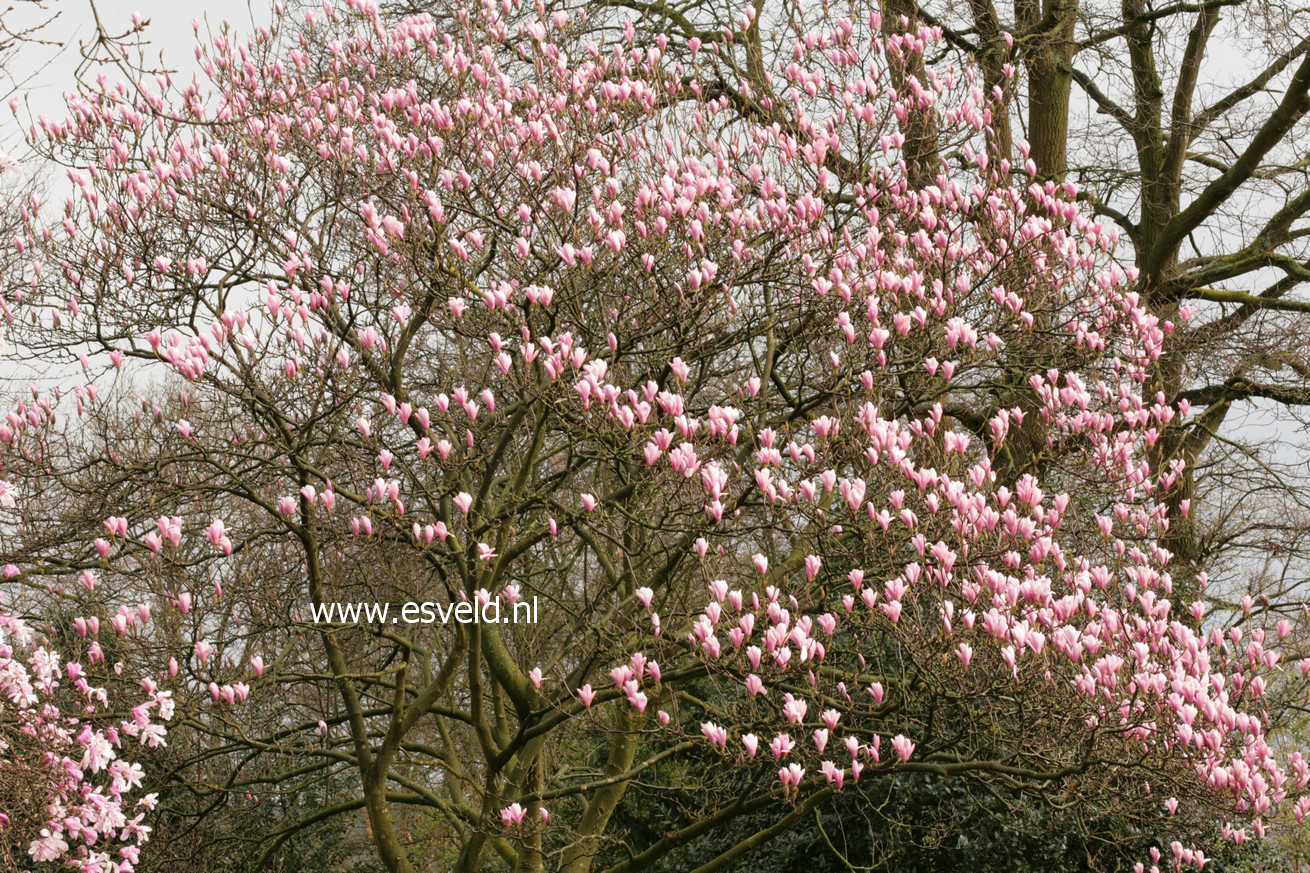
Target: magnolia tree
{"x": 814, "y": 480}
{"x": 65, "y": 786}
{"x": 64, "y": 782}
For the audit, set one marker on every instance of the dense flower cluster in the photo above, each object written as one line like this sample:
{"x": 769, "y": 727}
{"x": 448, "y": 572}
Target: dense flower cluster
{"x": 67, "y": 786}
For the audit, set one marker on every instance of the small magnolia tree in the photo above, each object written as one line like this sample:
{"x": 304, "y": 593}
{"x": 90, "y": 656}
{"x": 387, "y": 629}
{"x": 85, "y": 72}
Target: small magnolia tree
{"x": 65, "y": 786}
{"x": 811, "y": 482}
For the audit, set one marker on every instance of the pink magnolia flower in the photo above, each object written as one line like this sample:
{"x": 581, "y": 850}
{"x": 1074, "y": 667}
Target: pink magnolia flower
{"x": 512, "y": 815}
{"x": 717, "y": 735}
{"x": 48, "y": 847}
{"x": 903, "y": 746}
{"x": 781, "y": 746}
{"x": 812, "y": 565}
